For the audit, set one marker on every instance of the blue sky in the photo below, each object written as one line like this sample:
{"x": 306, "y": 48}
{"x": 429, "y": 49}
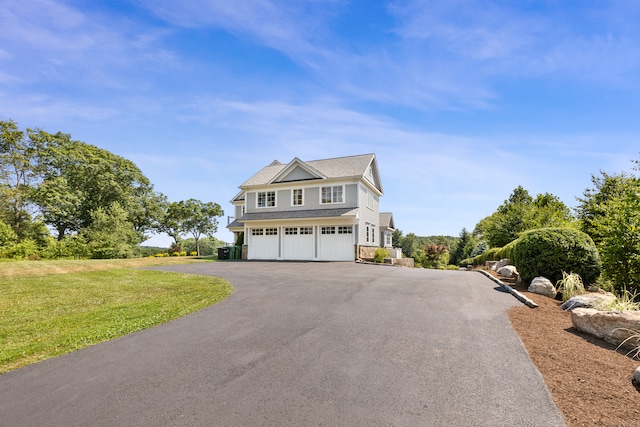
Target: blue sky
{"x": 462, "y": 101}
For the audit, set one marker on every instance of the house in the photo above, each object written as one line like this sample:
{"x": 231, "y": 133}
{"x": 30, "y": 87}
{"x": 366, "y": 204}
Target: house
{"x": 321, "y": 210}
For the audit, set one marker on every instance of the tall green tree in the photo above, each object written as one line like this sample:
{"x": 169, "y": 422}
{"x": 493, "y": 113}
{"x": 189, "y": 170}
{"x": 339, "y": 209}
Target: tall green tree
{"x": 610, "y": 213}
{"x": 200, "y": 218}
{"x": 110, "y": 233}
{"x": 192, "y": 217}
{"x": 19, "y": 171}
{"x": 79, "y": 178}
{"x": 409, "y": 245}
{"x": 519, "y": 213}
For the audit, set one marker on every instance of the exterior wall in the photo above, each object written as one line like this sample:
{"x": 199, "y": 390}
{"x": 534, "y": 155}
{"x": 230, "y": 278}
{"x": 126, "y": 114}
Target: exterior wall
{"x": 238, "y": 210}
{"x": 311, "y": 198}
{"x": 368, "y": 216}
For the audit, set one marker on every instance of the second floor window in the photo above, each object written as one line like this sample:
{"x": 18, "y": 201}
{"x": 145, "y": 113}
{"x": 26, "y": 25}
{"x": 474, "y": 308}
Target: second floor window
{"x": 266, "y": 199}
{"x": 332, "y": 194}
{"x": 298, "y": 199}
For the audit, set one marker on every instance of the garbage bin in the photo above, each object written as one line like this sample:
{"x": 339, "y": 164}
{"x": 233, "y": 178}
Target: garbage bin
{"x": 233, "y": 254}
{"x": 223, "y": 253}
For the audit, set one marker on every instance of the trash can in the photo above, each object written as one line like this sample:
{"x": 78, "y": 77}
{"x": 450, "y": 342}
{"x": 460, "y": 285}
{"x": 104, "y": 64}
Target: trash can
{"x": 223, "y": 253}
{"x": 235, "y": 252}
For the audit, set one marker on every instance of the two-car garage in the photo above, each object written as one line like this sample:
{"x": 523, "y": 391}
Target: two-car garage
{"x": 308, "y": 242}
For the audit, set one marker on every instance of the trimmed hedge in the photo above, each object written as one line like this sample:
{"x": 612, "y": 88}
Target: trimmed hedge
{"x": 550, "y": 251}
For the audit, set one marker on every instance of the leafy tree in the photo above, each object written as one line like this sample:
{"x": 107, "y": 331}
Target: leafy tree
{"x": 171, "y": 222}
{"x": 200, "y": 218}
{"x": 19, "y": 170}
{"x": 610, "y": 214}
{"x": 606, "y": 189}
{"x": 434, "y": 256}
{"x": 409, "y": 245}
{"x": 7, "y": 235}
{"x": 191, "y": 217}
{"x": 79, "y": 178}
{"x": 111, "y": 234}
{"x": 519, "y": 213}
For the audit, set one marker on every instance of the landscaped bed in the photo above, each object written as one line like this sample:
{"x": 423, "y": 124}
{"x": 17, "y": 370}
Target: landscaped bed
{"x": 590, "y": 381}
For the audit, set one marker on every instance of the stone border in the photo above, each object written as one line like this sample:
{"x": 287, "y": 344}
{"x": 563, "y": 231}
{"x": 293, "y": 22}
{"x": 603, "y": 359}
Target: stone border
{"x": 526, "y": 301}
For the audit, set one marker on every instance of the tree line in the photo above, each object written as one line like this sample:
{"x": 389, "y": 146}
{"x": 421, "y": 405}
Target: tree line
{"x": 63, "y": 198}
{"x": 608, "y": 212}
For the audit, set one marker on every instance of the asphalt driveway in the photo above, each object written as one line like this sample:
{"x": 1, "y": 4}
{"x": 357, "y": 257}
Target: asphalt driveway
{"x": 303, "y": 344}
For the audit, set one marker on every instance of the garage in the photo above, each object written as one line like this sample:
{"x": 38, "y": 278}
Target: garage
{"x": 336, "y": 243}
{"x": 263, "y": 243}
{"x": 302, "y": 243}
{"x": 298, "y": 243}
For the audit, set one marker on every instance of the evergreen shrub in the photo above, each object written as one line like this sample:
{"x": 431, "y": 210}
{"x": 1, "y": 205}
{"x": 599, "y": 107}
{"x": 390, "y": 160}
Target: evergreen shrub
{"x": 548, "y": 252}
{"x": 380, "y": 254}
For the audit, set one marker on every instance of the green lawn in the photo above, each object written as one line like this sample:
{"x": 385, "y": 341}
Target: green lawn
{"x": 45, "y": 315}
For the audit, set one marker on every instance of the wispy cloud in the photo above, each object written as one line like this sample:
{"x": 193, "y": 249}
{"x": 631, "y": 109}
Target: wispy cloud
{"x": 584, "y": 41}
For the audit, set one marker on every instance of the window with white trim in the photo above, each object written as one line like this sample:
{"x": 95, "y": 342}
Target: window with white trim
{"x": 291, "y": 231}
{"x": 387, "y": 238}
{"x": 306, "y": 230}
{"x": 297, "y": 197}
{"x": 257, "y": 231}
{"x": 367, "y": 230}
{"x": 266, "y": 199}
{"x": 332, "y": 194}
{"x": 270, "y": 231}
{"x": 373, "y": 233}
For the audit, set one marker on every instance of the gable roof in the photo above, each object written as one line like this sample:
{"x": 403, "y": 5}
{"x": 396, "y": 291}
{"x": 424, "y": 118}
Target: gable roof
{"x": 339, "y": 167}
{"x": 386, "y": 220}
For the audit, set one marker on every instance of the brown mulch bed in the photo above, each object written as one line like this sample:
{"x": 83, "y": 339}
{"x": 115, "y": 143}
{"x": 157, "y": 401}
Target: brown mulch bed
{"x": 591, "y": 383}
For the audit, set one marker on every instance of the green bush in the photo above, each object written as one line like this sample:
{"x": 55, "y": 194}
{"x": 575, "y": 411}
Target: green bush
{"x": 550, "y": 251}
{"x": 380, "y": 254}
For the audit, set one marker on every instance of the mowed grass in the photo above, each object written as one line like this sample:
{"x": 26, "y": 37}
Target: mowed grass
{"x": 45, "y": 315}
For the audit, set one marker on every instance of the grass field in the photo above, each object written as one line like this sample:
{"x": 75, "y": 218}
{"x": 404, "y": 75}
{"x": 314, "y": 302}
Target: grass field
{"x": 48, "y": 308}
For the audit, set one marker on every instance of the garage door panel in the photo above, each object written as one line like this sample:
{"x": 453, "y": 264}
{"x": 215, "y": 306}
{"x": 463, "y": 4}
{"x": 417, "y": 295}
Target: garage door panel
{"x": 298, "y": 243}
{"x": 336, "y": 243}
{"x": 263, "y": 243}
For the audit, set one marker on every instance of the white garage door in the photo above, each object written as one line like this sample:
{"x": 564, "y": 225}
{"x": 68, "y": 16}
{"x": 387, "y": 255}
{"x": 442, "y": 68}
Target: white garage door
{"x": 263, "y": 243}
{"x": 298, "y": 243}
{"x": 336, "y": 243}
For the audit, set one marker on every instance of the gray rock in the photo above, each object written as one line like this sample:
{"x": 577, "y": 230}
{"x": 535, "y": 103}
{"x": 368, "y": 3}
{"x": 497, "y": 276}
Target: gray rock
{"x": 543, "y": 286}
{"x": 589, "y": 300}
{"x": 616, "y": 327}
{"x": 498, "y": 265}
{"x": 637, "y": 375}
{"x": 508, "y": 271}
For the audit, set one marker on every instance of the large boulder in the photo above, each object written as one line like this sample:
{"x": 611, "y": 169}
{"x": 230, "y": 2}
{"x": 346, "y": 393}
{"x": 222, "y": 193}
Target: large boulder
{"x": 543, "y": 286}
{"x": 508, "y": 271}
{"x": 589, "y": 300}
{"x": 616, "y": 327}
{"x": 498, "y": 265}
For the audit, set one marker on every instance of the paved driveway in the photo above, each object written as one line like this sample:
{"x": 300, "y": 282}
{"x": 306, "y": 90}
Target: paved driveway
{"x": 303, "y": 344}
